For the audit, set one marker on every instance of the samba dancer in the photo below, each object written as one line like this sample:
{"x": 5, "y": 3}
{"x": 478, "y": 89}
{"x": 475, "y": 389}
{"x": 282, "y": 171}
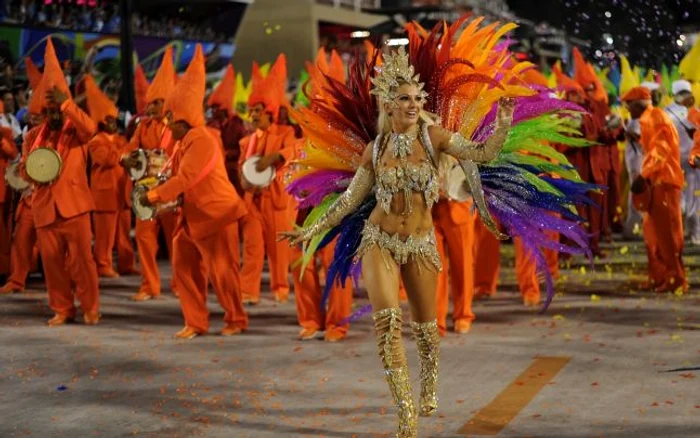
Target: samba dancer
{"x": 394, "y": 226}
{"x": 61, "y": 200}
{"x": 207, "y": 227}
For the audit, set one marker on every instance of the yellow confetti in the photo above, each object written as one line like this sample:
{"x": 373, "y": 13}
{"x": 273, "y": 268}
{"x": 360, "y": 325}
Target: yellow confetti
{"x": 676, "y": 338}
{"x": 624, "y": 250}
{"x": 595, "y": 298}
{"x": 583, "y": 270}
{"x": 567, "y": 336}
{"x": 558, "y": 317}
{"x": 646, "y": 324}
{"x": 278, "y": 27}
{"x": 678, "y": 292}
{"x": 618, "y": 209}
{"x": 636, "y": 230}
{"x": 268, "y": 31}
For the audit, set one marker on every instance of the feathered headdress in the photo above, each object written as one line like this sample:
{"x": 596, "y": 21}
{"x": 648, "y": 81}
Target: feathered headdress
{"x": 394, "y": 71}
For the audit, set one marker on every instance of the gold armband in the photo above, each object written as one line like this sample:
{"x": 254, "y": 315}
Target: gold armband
{"x": 463, "y": 149}
{"x": 360, "y": 186}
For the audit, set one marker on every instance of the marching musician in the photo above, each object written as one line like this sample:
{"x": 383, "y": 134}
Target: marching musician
{"x": 207, "y": 227}
{"x": 8, "y": 152}
{"x": 111, "y": 188}
{"x": 268, "y": 208}
{"x": 229, "y": 124}
{"x": 152, "y": 134}
{"x": 61, "y": 208}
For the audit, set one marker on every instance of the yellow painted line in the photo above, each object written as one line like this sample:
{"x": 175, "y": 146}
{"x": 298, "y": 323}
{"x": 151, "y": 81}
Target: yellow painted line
{"x": 507, "y": 405}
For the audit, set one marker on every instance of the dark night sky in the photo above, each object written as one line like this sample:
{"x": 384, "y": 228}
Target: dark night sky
{"x": 645, "y": 30}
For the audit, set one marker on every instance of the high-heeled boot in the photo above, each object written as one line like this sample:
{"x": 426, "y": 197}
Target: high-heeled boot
{"x": 387, "y": 324}
{"x": 428, "y": 343}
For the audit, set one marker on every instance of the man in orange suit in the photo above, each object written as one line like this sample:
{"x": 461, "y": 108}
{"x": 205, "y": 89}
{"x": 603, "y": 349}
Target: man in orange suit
{"x": 206, "y": 230}
{"x": 228, "y": 123}
{"x": 62, "y": 208}
{"x": 269, "y": 207}
{"x": 110, "y": 186}
{"x": 24, "y": 253}
{"x": 8, "y": 152}
{"x": 661, "y": 181}
{"x": 152, "y": 134}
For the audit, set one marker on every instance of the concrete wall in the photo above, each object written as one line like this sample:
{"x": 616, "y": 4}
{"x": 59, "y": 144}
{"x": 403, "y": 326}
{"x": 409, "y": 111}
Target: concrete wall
{"x": 293, "y": 28}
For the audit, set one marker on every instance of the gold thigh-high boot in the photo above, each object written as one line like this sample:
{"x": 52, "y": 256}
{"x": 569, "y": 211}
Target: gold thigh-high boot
{"x": 387, "y": 323}
{"x": 428, "y": 342}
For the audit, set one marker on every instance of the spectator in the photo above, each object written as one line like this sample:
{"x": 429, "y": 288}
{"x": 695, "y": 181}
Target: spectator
{"x": 7, "y": 118}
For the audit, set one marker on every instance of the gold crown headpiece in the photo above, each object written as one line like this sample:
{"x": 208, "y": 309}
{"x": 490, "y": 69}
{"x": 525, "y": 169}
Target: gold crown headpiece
{"x": 395, "y": 70}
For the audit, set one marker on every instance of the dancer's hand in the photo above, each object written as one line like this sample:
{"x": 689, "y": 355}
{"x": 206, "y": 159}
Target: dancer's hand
{"x": 506, "y": 106}
{"x": 294, "y": 237}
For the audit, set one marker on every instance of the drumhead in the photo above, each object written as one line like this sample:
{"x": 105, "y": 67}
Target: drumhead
{"x": 13, "y": 178}
{"x": 43, "y": 165}
{"x": 143, "y": 212}
{"x": 255, "y": 178}
{"x": 137, "y": 174}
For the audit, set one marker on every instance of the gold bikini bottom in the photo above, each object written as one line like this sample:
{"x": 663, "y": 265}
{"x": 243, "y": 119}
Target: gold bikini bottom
{"x": 422, "y": 248}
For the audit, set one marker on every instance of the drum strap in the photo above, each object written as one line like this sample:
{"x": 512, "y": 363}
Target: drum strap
{"x": 41, "y": 138}
{"x": 205, "y": 171}
{"x": 252, "y": 145}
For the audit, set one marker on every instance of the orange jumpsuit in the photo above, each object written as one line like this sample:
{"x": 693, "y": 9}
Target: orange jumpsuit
{"x": 23, "y": 258}
{"x": 112, "y": 217}
{"x": 454, "y": 230}
{"x": 61, "y": 215}
{"x": 486, "y": 270}
{"x": 8, "y": 151}
{"x": 663, "y": 223}
{"x": 152, "y": 134}
{"x": 268, "y": 215}
{"x": 308, "y": 291}
{"x": 206, "y": 237}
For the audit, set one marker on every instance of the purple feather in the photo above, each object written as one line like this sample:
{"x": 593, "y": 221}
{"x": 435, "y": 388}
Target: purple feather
{"x": 312, "y": 188}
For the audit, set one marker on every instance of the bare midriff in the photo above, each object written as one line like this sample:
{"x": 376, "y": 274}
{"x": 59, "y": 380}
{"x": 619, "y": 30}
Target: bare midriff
{"x": 398, "y": 220}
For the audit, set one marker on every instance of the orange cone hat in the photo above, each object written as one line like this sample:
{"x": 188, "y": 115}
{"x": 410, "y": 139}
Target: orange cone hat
{"x": 140, "y": 89}
{"x": 566, "y": 83}
{"x": 187, "y": 100}
{"x": 163, "y": 83}
{"x": 270, "y": 90}
{"x": 33, "y": 73}
{"x": 53, "y": 73}
{"x": 533, "y": 77}
{"x": 99, "y": 105}
{"x": 637, "y": 93}
{"x": 223, "y": 95}
{"x": 585, "y": 75}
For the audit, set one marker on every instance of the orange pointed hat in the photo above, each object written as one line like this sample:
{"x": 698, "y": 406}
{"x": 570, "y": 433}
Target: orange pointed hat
{"x": 533, "y": 77}
{"x": 186, "y": 101}
{"x": 585, "y": 75}
{"x": 223, "y": 95}
{"x": 53, "y": 73}
{"x": 566, "y": 83}
{"x": 270, "y": 90}
{"x": 163, "y": 83}
{"x": 141, "y": 86}
{"x": 99, "y": 105}
{"x": 33, "y": 73}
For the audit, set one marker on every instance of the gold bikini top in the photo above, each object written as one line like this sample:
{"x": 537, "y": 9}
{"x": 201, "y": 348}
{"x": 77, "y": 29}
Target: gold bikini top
{"x": 406, "y": 177}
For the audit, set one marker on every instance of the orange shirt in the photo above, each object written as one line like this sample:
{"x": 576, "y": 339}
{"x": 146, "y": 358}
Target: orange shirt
{"x": 210, "y": 202}
{"x": 8, "y": 152}
{"x": 69, "y": 195}
{"x": 108, "y": 180}
{"x": 279, "y": 139}
{"x": 662, "y": 150}
{"x": 151, "y": 134}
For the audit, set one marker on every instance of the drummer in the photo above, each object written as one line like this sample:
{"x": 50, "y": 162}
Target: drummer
{"x": 111, "y": 188}
{"x": 268, "y": 208}
{"x": 152, "y": 134}
{"x": 62, "y": 207}
{"x": 207, "y": 228}
{"x": 8, "y": 152}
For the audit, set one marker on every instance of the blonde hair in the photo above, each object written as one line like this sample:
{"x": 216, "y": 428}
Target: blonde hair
{"x": 384, "y": 119}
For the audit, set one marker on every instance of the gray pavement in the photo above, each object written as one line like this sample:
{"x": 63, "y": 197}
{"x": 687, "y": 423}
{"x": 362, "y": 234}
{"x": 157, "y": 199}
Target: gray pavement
{"x": 128, "y": 377}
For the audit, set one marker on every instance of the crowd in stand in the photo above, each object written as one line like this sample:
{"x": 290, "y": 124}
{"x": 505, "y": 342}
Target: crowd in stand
{"x": 99, "y": 16}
